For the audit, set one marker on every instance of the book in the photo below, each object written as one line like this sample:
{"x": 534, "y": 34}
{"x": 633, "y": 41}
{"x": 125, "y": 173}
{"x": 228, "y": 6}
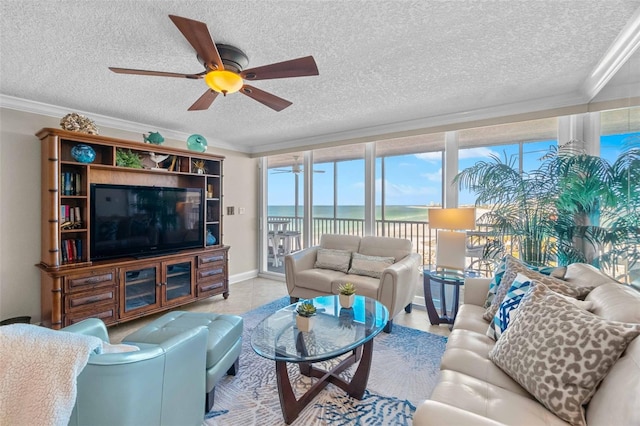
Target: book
{"x": 76, "y": 214}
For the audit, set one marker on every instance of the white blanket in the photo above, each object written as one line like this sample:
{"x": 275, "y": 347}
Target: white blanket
{"x": 38, "y": 371}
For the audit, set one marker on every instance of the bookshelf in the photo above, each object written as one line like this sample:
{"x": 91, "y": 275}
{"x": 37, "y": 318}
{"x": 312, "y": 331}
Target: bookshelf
{"x": 75, "y": 287}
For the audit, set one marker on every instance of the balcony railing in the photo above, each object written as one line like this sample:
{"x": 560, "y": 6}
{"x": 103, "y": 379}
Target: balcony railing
{"x": 418, "y": 232}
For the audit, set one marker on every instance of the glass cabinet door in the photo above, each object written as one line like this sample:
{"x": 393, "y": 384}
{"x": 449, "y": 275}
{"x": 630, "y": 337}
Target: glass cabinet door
{"x": 178, "y": 282}
{"x": 140, "y": 288}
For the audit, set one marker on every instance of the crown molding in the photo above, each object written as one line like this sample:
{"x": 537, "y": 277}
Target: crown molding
{"x": 617, "y": 55}
{"x": 501, "y": 114}
{"x": 40, "y": 108}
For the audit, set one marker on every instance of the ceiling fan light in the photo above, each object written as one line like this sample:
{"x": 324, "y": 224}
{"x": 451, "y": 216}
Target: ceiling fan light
{"x": 223, "y": 81}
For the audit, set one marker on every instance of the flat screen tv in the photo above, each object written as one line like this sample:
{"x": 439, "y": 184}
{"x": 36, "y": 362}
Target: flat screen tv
{"x": 144, "y": 221}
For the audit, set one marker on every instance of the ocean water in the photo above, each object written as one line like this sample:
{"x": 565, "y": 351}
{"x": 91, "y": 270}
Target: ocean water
{"x": 404, "y": 213}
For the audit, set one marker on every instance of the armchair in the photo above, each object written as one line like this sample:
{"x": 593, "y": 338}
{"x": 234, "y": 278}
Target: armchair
{"x": 394, "y": 286}
{"x": 161, "y": 384}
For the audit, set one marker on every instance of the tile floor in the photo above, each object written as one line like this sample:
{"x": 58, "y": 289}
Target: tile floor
{"x": 247, "y": 295}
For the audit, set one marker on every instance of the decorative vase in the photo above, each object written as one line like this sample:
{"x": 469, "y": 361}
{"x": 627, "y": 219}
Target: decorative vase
{"x": 211, "y": 240}
{"x": 305, "y": 323}
{"x": 83, "y": 153}
{"x": 197, "y": 143}
{"x": 346, "y": 301}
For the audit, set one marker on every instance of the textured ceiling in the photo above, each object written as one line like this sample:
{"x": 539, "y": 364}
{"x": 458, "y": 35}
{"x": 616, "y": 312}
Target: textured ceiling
{"x": 383, "y": 64}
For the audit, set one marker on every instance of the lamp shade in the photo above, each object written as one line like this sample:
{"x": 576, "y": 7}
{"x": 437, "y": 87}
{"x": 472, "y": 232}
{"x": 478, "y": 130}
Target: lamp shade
{"x": 455, "y": 219}
{"x": 223, "y": 81}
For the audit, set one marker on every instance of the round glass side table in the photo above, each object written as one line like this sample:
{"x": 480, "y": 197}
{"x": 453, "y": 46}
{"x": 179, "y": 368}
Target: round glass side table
{"x": 440, "y": 285}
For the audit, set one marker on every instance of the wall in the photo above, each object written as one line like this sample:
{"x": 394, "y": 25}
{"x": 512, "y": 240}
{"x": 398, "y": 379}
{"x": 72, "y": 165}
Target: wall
{"x": 20, "y": 209}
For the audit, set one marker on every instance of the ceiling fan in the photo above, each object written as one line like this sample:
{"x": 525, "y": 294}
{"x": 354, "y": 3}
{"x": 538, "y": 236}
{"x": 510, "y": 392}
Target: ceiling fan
{"x": 224, "y": 68}
{"x": 296, "y": 168}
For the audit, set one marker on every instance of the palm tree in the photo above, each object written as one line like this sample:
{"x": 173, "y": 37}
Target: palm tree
{"x": 521, "y": 206}
{"x": 574, "y": 208}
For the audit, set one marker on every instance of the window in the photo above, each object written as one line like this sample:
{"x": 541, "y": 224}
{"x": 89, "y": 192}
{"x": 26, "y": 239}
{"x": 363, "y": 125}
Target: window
{"x": 338, "y": 191}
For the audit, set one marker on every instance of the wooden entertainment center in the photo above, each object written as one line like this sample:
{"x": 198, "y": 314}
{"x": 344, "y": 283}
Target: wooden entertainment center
{"x": 75, "y": 287}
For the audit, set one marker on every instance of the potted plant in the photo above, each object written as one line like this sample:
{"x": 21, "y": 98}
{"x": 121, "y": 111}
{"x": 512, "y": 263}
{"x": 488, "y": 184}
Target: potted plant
{"x": 574, "y": 208}
{"x": 346, "y": 294}
{"x": 127, "y": 158}
{"x": 306, "y": 316}
{"x": 199, "y": 166}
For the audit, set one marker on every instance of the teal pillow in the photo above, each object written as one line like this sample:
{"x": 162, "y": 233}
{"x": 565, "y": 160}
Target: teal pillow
{"x": 495, "y": 282}
{"x": 507, "y": 310}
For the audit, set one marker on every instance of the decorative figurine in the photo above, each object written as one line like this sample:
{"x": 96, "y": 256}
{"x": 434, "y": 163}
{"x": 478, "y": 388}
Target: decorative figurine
{"x": 154, "y": 138}
{"x": 75, "y": 122}
{"x": 157, "y": 158}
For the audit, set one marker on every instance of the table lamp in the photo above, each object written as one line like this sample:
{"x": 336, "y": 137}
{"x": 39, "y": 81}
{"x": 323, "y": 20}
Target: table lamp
{"x": 450, "y": 245}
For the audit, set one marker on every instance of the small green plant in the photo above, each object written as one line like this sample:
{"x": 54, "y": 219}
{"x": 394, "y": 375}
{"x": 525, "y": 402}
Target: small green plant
{"x": 306, "y": 309}
{"x": 128, "y": 159}
{"x": 347, "y": 289}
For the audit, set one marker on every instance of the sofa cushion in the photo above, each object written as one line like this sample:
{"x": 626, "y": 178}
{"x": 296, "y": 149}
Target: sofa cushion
{"x": 481, "y": 367}
{"x": 398, "y": 248}
{"x": 616, "y": 302}
{"x": 583, "y": 274}
{"x": 514, "y": 267}
{"x": 335, "y": 259}
{"x": 470, "y": 341}
{"x": 371, "y": 266}
{"x": 470, "y": 318}
{"x": 616, "y": 400}
{"x": 317, "y": 279}
{"x": 341, "y": 242}
{"x": 559, "y": 352}
{"x": 487, "y": 400}
{"x": 365, "y": 286}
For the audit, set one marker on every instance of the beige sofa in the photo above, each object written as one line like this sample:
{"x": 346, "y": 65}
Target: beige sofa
{"x": 395, "y": 288}
{"x": 472, "y": 390}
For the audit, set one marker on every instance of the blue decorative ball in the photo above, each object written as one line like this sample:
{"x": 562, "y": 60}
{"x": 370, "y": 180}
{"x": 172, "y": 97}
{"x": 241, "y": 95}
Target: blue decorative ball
{"x": 83, "y": 153}
{"x": 197, "y": 143}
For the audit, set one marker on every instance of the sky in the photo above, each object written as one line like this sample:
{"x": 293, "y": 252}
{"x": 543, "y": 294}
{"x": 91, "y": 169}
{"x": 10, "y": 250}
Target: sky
{"x": 415, "y": 179}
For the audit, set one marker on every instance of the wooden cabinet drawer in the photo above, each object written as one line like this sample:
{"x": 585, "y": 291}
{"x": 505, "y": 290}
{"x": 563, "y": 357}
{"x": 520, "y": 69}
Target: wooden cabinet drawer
{"x": 86, "y": 300}
{"x": 207, "y": 260}
{"x": 107, "y": 313}
{"x": 86, "y": 281}
{"x": 215, "y": 285}
{"x": 208, "y": 274}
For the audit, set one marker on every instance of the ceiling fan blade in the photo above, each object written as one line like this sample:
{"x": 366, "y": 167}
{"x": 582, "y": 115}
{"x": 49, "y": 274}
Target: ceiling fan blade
{"x": 318, "y": 171}
{"x": 154, "y": 73}
{"x": 265, "y": 98}
{"x": 300, "y": 67}
{"x": 205, "y": 101}
{"x": 197, "y": 34}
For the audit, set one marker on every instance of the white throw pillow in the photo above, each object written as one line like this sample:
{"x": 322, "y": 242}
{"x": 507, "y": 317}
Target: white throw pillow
{"x": 338, "y": 260}
{"x": 371, "y": 266}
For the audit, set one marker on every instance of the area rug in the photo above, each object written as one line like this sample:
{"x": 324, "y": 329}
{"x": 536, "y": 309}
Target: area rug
{"x": 404, "y": 371}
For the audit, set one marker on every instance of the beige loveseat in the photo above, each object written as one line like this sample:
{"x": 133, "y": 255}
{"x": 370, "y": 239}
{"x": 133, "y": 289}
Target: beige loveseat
{"x": 309, "y": 273}
{"x": 472, "y": 390}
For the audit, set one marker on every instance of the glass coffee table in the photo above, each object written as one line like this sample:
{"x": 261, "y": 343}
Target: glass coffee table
{"x": 337, "y": 331}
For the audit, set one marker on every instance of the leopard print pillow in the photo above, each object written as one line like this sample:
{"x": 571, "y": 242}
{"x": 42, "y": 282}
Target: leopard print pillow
{"x": 514, "y": 267}
{"x": 559, "y": 352}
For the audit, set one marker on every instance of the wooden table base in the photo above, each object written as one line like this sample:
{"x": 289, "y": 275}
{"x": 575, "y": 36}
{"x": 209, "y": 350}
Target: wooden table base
{"x": 291, "y": 407}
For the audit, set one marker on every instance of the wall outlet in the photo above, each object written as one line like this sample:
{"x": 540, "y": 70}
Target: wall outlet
{"x": 240, "y": 210}
{"x": 230, "y": 211}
